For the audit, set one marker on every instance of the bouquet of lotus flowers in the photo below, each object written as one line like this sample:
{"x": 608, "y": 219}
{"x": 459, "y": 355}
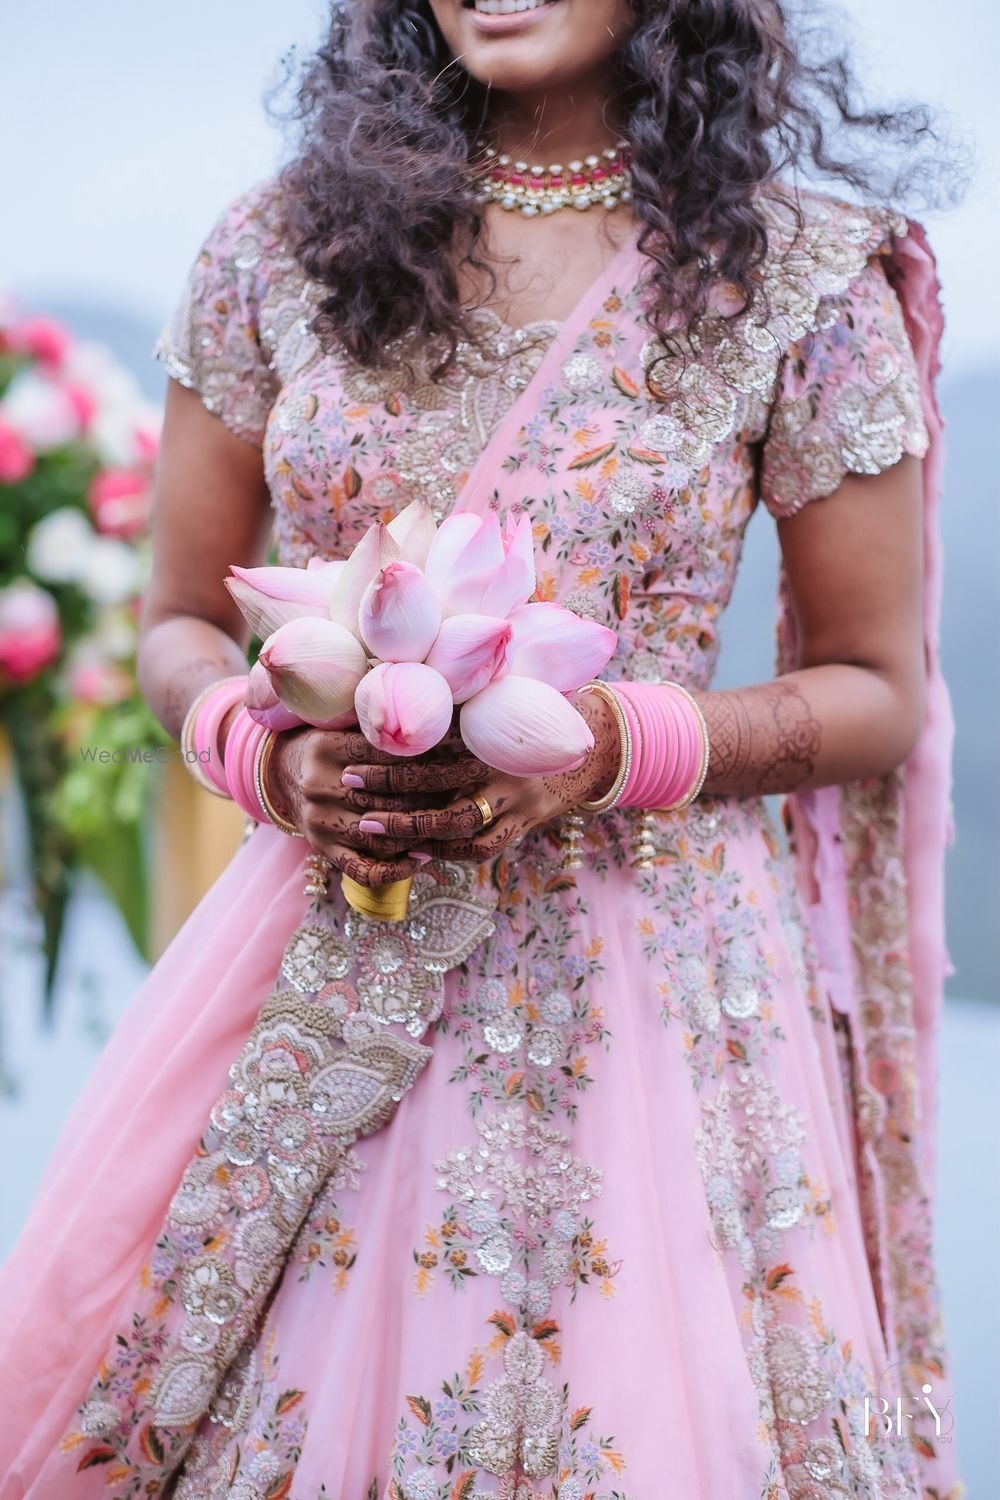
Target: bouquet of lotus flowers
{"x": 423, "y": 623}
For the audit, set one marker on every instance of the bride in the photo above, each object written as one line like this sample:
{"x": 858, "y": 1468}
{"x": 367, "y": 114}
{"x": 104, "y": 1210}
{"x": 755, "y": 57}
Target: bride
{"x": 605, "y": 1173}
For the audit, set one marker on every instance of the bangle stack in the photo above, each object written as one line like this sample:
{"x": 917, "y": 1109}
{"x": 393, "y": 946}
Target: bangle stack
{"x": 240, "y": 772}
{"x": 199, "y": 736}
{"x": 664, "y": 757}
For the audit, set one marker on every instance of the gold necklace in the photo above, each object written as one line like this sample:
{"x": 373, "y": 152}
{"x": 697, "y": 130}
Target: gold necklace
{"x": 531, "y": 190}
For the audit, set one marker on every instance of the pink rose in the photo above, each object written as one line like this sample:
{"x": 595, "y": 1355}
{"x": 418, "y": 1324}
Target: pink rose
{"x": 16, "y": 458}
{"x": 119, "y": 502}
{"x": 29, "y": 630}
{"x": 99, "y": 682}
{"x": 41, "y": 338}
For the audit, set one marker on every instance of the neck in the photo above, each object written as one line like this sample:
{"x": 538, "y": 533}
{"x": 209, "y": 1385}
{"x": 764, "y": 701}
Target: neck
{"x": 544, "y": 127}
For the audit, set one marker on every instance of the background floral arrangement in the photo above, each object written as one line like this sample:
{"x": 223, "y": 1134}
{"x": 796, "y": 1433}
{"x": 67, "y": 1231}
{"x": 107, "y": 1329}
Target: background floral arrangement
{"x": 77, "y": 446}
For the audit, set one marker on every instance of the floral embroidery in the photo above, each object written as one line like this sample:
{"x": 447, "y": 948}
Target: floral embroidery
{"x": 324, "y": 1242}
{"x": 519, "y": 1424}
{"x": 252, "y": 1454}
{"x": 496, "y": 1191}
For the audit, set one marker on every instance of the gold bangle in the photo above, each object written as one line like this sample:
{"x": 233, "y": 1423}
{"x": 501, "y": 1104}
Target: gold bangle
{"x": 188, "y": 750}
{"x": 705, "y": 753}
{"x": 617, "y": 787}
{"x": 261, "y": 761}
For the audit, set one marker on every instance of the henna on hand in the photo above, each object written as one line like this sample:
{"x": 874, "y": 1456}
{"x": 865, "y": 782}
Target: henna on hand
{"x": 406, "y": 778}
{"x": 373, "y": 872}
{"x": 764, "y": 739}
{"x": 595, "y": 774}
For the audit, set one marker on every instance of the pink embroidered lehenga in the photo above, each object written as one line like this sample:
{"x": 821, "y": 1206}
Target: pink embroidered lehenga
{"x": 611, "y": 1185}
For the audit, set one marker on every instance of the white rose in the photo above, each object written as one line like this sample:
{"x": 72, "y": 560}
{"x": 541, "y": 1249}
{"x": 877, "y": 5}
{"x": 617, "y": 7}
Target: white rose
{"x": 58, "y": 545}
{"x": 110, "y": 573}
{"x": 40, "y": 411}
{"x": 120, "y": 406}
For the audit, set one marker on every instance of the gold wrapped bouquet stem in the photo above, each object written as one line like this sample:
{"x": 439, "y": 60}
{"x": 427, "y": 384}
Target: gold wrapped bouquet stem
{"x": 383, "y": 903}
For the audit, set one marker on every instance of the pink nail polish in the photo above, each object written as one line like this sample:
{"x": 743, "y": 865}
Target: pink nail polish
{"x": 349, "y": 779}
{"x": 420, "y": 857}
{"x": 370, "y": 825}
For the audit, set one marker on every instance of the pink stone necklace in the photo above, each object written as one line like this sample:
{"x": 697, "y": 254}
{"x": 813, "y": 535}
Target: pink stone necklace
{"x": 530, "y": 190}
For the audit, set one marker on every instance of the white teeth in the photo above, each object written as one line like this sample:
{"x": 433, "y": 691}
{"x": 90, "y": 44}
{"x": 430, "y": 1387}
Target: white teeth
{"x": 506, "y": 7}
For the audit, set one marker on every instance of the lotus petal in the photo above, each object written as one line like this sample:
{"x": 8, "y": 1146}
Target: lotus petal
{"x": 525, "y": 728}
{"x": 464, "y": 558}
{"x": 404, "y": 707}
{"x": 400, "y": 613}
{"x": 376, "y": 549}
{"x": 414, "y": 529}
{"x": 469, "y": 652}
{"x": 263, "y": 703}
{"x": 270, "y": 597}
{"x": 514, "y": 582}
{"x": 315, "y": 667}
{"x": 557, "y": 646}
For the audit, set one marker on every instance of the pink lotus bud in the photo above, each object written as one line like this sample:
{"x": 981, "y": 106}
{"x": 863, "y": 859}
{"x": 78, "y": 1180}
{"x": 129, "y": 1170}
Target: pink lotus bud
{"x": 16, "y": 458}
{"x": 263, "y": 703}
{"x": 464, "y": 558}
{"x": 469, "y": 652}
{"x": 399, "y": 614}
{"x": 376, "y": 549}
{"x": 414, "y": 530}
{"x": 315, "y": 667}
{"x": 119, "y": 502}
{"x": 404, "y": 707}
{"x": 270, "y": 597}
{"x": 557, "y": 646}
{"x": 514, "y": 582}
{"x": 525, "y": 728}
{"x": 30, "y": 636}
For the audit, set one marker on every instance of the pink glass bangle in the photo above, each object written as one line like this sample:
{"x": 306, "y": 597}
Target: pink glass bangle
{"x": 200, "y": 731}
{"x": 671, "y": 770}
{"x": 206, "y": 730}
{"x": 242, "y": 743}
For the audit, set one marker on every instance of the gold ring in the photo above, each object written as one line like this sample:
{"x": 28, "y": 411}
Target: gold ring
{"x": 484, "y": 808}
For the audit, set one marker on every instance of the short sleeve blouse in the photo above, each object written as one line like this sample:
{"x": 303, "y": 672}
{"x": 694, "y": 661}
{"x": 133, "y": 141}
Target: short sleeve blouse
{"x": 214, "y": 343}
{"x": 847, "y": 398}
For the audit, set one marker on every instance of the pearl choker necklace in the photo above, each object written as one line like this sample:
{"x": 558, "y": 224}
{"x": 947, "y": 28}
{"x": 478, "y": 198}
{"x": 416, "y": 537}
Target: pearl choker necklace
{"x": 531, "y": 190}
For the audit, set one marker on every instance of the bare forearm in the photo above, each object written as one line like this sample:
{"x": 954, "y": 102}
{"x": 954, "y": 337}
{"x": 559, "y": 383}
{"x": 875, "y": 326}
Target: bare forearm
{"x": 178, "y": 657}
{"x": 816, "y": 727}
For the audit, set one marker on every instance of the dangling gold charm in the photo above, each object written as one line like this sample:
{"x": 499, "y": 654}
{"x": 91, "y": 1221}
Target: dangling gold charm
{"x": 571, "y": 830}
{"x": 318, "y": 869}
{"x": 643, "y": 846}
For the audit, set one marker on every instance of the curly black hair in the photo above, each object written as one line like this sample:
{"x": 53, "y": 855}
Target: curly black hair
{"x": 721, "y": 99}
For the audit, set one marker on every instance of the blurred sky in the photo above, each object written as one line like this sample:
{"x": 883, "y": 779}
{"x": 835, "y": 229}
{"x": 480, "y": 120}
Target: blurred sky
{"x": 126, "y": 128}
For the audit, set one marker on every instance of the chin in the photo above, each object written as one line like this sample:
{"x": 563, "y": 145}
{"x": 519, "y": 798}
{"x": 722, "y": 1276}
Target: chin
{"x": 522, "y": 45}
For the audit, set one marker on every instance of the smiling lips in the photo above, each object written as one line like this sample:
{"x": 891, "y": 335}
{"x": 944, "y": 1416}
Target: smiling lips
{"x": 506, "y": 7}
{"x": 506, "y": 14}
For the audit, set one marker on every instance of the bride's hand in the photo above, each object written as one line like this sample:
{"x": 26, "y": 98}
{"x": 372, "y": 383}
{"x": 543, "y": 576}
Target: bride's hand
{"x": 321, "y": 780}
{"x": 518, "y": 803}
